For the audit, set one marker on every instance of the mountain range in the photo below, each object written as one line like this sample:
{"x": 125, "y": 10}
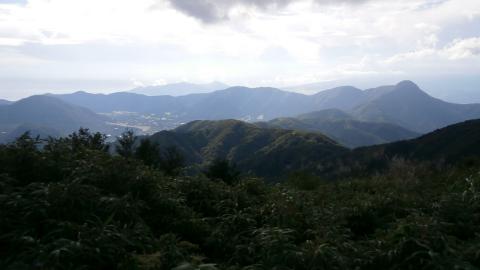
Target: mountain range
{"x": 271, "y": 152}
{"x": 45, "y": 115}
{"x": 179, "y": 89}
{"x": 348, "y": 115}
{"x": 403, "y": 104}
{"x": 256, "y": 150}
{"x": 408, "y": 106}
{"x": 262, "y": 149}
{"x": 235, "y": 102}
{"x": 4, "y": 102}
{"x": 343, "y": 128}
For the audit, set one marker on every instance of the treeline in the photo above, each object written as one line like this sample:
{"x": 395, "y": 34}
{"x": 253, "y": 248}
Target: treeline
{"x": 69, "y": 203}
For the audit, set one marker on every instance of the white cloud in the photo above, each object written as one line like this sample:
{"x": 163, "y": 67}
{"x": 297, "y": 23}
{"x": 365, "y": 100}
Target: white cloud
{"x": 6, "y": 41}
{"x": 214, "y": 11}
{"x": 463, "y": 48}
{"x": 118, "y": 39}
{"x": 413, "y": 55}
{"x": 456, "y": 50}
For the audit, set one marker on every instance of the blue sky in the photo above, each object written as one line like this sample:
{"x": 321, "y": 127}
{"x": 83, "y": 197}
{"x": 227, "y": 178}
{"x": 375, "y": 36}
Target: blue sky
{"x": 113, "y": 45}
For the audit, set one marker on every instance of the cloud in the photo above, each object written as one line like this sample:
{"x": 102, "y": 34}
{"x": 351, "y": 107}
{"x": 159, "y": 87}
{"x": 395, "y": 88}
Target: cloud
{"x": 212, "y": 11}
{"x": 463, "y": 48}
{"x": 16, "y": 2}
{"x": 413, "y": 55}
{"x": 6, "y": 41}
{"x": 456, "y": 50}
{"x": 237, "y": 41}
{"x": 203, "y": 10}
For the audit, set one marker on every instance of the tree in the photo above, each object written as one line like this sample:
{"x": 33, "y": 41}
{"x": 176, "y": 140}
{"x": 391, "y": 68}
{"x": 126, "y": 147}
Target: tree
{"x": 148, "y": 152}
{"x": 21, "y": 159}
{"x": 172, "y": 161}
{"x": 221, "y": 169}
{"x": 126, "y": 142}
{"x": 84, "y": 139}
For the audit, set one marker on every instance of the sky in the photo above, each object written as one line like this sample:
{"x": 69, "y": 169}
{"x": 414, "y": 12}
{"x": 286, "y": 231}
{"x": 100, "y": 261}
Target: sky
{"x": 61, "y": 46}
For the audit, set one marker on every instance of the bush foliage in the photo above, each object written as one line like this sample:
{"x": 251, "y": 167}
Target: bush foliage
{"x": 69, "y": 204}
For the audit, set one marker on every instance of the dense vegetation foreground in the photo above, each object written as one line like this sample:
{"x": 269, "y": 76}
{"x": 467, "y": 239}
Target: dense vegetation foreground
{"x": 69, "y": 204}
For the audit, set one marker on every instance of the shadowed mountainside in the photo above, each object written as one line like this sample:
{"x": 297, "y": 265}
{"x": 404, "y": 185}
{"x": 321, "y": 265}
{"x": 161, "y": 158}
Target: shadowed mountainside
{"x": 261, "y": 151}
{"x": 450, "y": 144}
{"x": 271, "y": 152}
{"x": 343, "y": 128}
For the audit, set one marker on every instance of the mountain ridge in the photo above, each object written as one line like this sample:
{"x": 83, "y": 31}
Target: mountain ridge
{"x": 344, "y": 128}
{"x": 47, "y": 113}
{"x": 179, "y": 89}
{"x": 5, "y": 102}
{"x": 408, "y": 106}
{"x": 262, "y": 151}
{"x": 403, "y": 104}
{"x": 271, "y": 152}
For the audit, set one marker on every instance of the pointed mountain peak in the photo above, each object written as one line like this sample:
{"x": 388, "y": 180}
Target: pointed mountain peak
{"x": 81, "y": 92}
{"x": 408, "y": 88}
{"x": 407, "y": 85}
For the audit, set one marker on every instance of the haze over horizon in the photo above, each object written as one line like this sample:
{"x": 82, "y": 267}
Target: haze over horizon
{"x": 62, "y": 46}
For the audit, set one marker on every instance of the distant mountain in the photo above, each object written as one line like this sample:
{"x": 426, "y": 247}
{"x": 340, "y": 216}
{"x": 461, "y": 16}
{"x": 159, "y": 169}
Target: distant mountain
{"x": 326, "y": 115}
{"x": 123, "y": 101}
{"x": 343, "y": 98}
{"x": 179, "y": 89}
{"x": 43, "y": 132}
{"x": 262, "y": 151}
{"x": 235, "y": 102}
{"x": 343, "y": 128}
{"x": 403, "y": 105}
{"x": 4, "y": 102}
{"x": 249, "y": 104}
{"x": 45, "y": 113}
{"x": 408, "y": 106}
